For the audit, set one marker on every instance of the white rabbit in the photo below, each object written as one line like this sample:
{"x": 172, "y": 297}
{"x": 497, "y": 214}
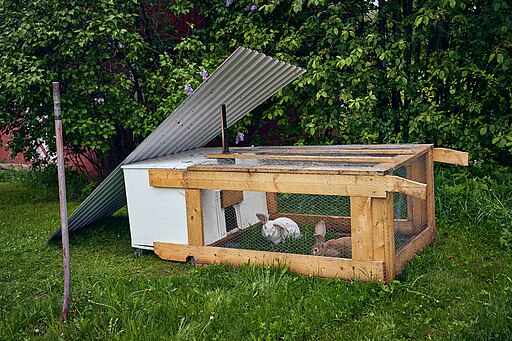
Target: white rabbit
{"x": 278, "y": 229}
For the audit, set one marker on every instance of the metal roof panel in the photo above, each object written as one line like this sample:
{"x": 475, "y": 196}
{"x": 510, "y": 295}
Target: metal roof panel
{"x": 242, "y": 82}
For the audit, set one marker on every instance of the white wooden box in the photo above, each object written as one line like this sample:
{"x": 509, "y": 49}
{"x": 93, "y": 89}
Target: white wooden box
{"x": 159, "y": 214}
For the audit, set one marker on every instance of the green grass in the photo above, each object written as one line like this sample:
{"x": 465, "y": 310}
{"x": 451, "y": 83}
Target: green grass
{"x": 458, "y": 288}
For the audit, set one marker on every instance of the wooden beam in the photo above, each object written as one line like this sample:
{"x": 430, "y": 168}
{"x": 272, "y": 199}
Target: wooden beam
{"x": 377, "y": 149}
{"x": 426, "y": 237}
{"x": 310, "y": 158}
{"x": 361, "y": 228}
{"x": 194, "y": 216}
{"x": 344, "y": 185}
{"x": 354, "y": 169}
{"x": 383, "y": 234}
{"x": 451, "y": 156}
{"x": 302, "y": 264}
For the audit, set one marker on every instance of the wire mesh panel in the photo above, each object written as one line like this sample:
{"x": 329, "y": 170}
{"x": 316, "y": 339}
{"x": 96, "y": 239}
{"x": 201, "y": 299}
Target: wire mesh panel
{"x": 410, "y": 212}
{"x": 288, "y": 223}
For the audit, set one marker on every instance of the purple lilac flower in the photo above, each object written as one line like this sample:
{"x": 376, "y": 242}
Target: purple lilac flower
{"x": 253, "y": 8}
{"x": 204, "y": 74}
{"x": 246, "y": 8}
{"x": 188, "y": 89}
{"x": 239, "y": 137}
{"x": 229, "y": 3}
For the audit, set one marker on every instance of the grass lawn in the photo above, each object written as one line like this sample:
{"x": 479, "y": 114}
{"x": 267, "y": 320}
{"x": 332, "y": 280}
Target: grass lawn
{"x": 458, "y": 288}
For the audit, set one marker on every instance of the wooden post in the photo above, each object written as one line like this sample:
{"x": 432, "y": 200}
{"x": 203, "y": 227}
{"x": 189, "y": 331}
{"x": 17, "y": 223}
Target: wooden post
{"x": 272, "y": 204}
{"x": 383, "y": 225}
{"x": 431, "y": 210}
{"x": 194, "y": 217}
{"x": 361, "y": 228}
{"x": 224, "y": 130}
{"x": 63, "y": 201}
{"x": 372, "y": 231}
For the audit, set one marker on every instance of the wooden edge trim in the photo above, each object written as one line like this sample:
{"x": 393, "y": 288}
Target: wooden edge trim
{"x": 311, "y": 158}
{"x": 403, "y": 257}
{"x": 301, "y": 264}
{"x": 451, "y": 156}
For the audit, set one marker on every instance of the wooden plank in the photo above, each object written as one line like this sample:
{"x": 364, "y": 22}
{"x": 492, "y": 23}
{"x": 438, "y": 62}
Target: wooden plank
{"x": 383, "y": 234}
{"x": 451, "y": 156}
{"x": 194, "y": 216}
{"x": 361, "y": 228}
{"x": 426, "y": 237}
{"x": 354, "y": 169}
{"x": 344, "y": 185}
{"x": 272, "y": 204}
{"x": 376, "y": 149}
{"x": 310, "y": 158}
{"x": 372, "y": 152}
{"x": 230, "y": 198}
{"x": 302, "y": 264}
{"x": 333, "y": 222}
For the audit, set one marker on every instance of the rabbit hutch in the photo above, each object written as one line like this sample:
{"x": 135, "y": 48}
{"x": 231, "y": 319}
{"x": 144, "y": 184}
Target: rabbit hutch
{"x": 264, "y": 205}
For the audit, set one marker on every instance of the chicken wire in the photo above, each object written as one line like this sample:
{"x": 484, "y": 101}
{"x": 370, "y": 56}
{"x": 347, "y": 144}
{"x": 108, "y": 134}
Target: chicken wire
{"x": 410, "y": 213}
{"x": 291, "y": 223}
{"x": 243, "y": 230}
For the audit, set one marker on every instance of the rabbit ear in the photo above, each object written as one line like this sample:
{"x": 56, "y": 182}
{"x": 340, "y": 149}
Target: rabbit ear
{"x": 280, "y": 228}
{"x": 263, "y": 218}
{"x": 320, "y": 229}
{"x": 319, "y": 239}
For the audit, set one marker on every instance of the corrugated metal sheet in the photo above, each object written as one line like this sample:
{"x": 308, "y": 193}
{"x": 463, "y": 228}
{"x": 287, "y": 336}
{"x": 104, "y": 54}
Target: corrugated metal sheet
{"x": 242, "y": 82}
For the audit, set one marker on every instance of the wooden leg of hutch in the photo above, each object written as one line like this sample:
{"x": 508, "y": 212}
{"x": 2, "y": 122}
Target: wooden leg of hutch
{"x": 372, "y": 231}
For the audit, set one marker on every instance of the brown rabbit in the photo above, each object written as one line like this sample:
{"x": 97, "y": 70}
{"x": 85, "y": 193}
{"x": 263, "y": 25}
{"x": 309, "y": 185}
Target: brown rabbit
{"x": 331, "y": 248}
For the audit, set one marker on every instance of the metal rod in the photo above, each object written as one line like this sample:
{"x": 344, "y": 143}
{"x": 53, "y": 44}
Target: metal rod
{"x": 62, "y": 200}
{"x": 224, "y": 128}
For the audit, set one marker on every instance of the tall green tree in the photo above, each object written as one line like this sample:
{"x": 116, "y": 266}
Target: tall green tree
{"x": 388, "y": 71}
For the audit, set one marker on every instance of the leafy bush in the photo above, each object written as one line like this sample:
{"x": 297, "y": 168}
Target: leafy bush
{"x": 385, "y": 71}
{"x": 77, "y": 186}
{"x": 482, "y": 195}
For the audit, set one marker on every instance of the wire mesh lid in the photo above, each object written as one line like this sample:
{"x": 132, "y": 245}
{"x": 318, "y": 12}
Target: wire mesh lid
{"x": 340, "y": 159}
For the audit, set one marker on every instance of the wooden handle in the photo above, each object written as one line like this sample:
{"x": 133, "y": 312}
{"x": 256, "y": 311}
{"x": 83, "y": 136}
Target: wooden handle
{"x": 451, "y": 156}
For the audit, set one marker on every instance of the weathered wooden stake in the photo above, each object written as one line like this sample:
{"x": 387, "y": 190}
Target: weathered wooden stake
{"x": 224, "y": 127}
{"x": 62, "y": 200}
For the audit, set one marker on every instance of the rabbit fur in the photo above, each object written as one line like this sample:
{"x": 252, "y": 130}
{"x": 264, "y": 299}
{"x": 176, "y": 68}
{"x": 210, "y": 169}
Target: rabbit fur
{"x": 331, "y": 248}
{"x": 279, "y": 229}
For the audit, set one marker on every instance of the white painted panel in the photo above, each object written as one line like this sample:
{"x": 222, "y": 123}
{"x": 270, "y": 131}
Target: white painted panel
{"x": 156, "y": 214}
{"x": 254, "y": 202}
{"x": 214, "y": 223}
